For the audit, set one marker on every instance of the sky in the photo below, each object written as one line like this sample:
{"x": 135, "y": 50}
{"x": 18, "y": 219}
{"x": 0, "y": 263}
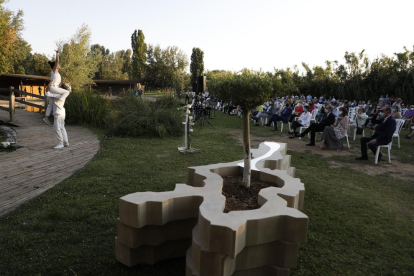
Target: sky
{"x": 259, "y": 35}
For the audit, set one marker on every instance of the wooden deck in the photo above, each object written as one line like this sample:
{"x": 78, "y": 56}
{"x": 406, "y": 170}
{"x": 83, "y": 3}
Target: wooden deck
{"x": 36, "y": 167}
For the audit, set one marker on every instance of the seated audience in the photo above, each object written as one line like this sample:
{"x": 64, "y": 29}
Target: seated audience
{"x": 318, "y": 127}
{"x": 321, "y": 114}
{"x": 408, "y": 116}
{"x": 396, "y": 112}
{"x": 382, "y": 136}
{"x": 303, "y": 121}
{"x": 411, "y": 134}
{"x": 360, "y": 119}
{"x": 298, "y": 111}
{"x": 282, "y": 116}
{"x": 333, "y": 136}
{"x": 265, "y": 114}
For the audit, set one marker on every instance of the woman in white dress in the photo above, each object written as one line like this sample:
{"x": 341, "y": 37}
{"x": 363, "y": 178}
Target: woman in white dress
{"x": 54, "y": 88}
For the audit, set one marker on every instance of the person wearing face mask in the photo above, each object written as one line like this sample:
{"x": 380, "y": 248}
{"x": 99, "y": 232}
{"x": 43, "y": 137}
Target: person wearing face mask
{"x": 283, "y": 116}
{"x": 318, "y": 127}
{"x": 303, "y": 121}
{"x": 382, "y": 136}
{"x": 360, "y": 119}
{"x": 321, "y": 114}
{"x": 297, "y": 112}
{"x": 378, "y": 118}
{"x": 266, "y": 114}
{"x": 408, "y": 116}
{"x": 396, "y": 112}
{"x": 333, "y": 136}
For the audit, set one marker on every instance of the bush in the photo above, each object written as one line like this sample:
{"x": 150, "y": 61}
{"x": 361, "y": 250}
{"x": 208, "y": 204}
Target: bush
{"x": 166, "y": 102}
{"x": 135, "y": 118}
{"x": 87, "y": 107}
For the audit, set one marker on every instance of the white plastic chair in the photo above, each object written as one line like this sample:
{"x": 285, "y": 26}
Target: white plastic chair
{"x": 400, "y": 124}
{"x": 313, "y": 115}
{"x": 352, "y": 117}
{"x": 296, "y": 118}
{"x": 300, "y": 130}
{"x": 379, "y": 150}
{"x": 351, "y": 111}
{"x": 346, "y": 136}
{"x": 281, "y": 125}
{"x": 363, "y": 133}
{"x": 347, "y": 140}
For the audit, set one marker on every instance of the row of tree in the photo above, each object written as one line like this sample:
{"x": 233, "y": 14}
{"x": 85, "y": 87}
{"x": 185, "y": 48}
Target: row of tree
{"x": 165, "y": 68}
{"x": 81, "y": 62}
{"x": 357, "y": 79}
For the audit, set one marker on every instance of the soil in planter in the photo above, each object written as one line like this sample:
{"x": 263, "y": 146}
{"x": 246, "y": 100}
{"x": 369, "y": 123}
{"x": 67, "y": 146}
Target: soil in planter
{"x": 239, "y": 197}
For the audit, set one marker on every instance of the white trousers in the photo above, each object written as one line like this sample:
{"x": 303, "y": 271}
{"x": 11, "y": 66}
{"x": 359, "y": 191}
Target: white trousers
{"x": 55, "y": 90}
{"x": 60, "y": 131}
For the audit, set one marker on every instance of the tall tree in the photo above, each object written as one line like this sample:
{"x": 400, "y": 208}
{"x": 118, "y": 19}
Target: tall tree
{"x": 105, "y": 52}
{"x": 112, "y": 68}
{"x": 197, "y": 64}
{"x": 248, "y": 89}
{"x": 78, "y": 63}
{"x": 166, "y": 67}
{"x": 36, "y": 64}
{"x": 126, "y": 61}
{"x": 14, "y": 50}
{"x": 139, "y": 55}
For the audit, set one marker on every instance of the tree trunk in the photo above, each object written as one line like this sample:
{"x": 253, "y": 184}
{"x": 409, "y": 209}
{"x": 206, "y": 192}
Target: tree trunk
{"x": 246, "y": 143}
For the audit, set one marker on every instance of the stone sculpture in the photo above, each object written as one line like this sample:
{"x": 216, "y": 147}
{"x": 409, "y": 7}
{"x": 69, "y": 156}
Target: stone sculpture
{"x": 189, "y": 221}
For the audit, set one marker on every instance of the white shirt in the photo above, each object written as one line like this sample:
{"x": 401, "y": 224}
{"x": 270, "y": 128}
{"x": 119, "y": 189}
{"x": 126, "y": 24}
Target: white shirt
{"x": 56, "y": 110}
{"x": 305, "y": 118}
{"x": 55, "y": 78}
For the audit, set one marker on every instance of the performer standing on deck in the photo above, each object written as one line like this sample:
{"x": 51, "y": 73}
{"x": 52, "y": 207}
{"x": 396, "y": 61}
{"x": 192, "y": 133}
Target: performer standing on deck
{"x": 56, "y": 98}
{"x": 53, "y": 87}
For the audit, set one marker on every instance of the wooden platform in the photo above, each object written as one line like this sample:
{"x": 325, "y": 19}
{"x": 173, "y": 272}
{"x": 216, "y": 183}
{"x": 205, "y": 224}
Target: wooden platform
{"x": 36, "y": 167}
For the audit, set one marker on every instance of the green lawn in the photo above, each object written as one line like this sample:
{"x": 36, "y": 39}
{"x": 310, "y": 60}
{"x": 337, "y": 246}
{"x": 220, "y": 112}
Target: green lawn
{"x": 359, "y": 224}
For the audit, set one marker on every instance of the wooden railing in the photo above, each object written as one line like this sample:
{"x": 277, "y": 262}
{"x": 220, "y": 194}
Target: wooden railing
{"x": 12, "y": 100}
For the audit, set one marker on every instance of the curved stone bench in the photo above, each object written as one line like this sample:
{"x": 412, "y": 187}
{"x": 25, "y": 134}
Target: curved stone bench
{"x": 156, "y": 226}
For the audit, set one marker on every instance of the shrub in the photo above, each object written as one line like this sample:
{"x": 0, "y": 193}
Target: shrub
{"x": 87, "y": 107}
{"x": 166, "y": 102}
{"x": 135, "y": 117}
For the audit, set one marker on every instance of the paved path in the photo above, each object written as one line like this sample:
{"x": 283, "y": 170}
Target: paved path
{"x": 36, "y": 167}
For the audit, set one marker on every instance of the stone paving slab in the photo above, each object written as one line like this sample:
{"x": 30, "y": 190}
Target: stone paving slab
{"x": 36, "y": 167}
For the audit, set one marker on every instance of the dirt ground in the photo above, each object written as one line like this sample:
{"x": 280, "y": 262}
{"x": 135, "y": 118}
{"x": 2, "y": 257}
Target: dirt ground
{"x": 397, "y": 169}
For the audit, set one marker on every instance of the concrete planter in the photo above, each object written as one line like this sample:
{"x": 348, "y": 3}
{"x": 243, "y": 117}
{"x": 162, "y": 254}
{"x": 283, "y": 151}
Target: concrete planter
{"x": 189, "y": 221}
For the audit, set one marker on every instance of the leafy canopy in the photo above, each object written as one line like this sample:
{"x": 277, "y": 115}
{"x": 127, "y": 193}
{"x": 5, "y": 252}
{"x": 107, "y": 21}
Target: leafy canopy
{"x": 78, "y": 64}
{"x": 247, "y": 88}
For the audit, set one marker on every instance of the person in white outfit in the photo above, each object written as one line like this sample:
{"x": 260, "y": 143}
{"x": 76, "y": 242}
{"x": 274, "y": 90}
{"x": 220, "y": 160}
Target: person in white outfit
{"x": 303, "y": 121}
{"x": 54, "y": 88}
{"x": 59, "y": 113}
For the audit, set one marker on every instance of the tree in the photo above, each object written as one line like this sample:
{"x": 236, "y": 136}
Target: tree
{"x": 166, "y": 67}
{"x": 139, "y": 55}
{"x": 14, "y": 50}
{"x": 36, "y": 64}
{"x": 127, "y": 66}
{"x": 248, "y": 89}
{"x": 197, "y": 64}
{"x": 105, "y": 52}
{"x": 78, "y": 64}
{"x": 112, "y": 68}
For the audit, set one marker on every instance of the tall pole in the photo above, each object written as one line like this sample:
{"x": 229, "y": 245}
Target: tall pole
{"x": 11, "y": 104}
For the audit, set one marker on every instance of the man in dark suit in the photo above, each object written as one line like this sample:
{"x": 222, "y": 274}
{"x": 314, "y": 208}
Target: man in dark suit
{"x": 318, "y": 127}
{"x": 382, "y": 136}
{"x": 283, "y": 116}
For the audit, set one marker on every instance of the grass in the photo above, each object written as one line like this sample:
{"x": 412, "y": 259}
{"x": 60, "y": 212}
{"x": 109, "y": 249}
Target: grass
{"x": 358, "y": 224}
